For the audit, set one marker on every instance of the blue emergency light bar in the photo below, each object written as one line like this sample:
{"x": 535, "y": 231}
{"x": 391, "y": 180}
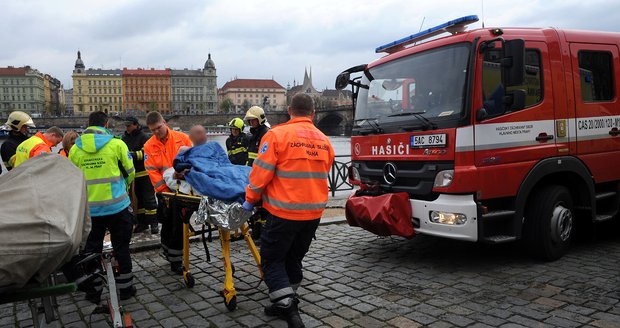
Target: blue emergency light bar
{"x": 453, "y": 26}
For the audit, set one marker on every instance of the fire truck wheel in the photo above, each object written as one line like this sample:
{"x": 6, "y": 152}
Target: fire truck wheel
{"x": 549, "y": 222}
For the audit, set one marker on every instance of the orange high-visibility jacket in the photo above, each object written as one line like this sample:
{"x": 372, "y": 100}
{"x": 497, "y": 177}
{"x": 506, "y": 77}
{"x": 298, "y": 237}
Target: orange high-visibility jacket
{"x": 290, "y": 172}
{"x": 32, "y": 147}
{"x": 158, "y": 156}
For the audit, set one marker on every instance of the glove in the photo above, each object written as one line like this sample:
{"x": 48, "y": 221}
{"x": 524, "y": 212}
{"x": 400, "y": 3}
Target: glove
{"x": 247, "y": 206}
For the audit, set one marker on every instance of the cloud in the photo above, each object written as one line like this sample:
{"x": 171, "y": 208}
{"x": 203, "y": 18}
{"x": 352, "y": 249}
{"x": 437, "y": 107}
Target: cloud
{"x": 252, "y": 39}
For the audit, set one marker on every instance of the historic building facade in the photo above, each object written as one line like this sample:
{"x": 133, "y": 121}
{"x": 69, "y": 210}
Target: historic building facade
{"x": 146, "y": 90}
{"x": 21, "y": 88}
{"x": 244, "y": 93}
{"x": 96, "y": 89}
{"x": 54, "y": 95}
{"x": 69, "y": 101}
{"x": 194, "y": 91}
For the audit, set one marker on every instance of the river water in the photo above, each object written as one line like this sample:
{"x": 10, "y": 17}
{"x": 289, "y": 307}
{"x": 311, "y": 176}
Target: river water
{"x": 342, "y": 147}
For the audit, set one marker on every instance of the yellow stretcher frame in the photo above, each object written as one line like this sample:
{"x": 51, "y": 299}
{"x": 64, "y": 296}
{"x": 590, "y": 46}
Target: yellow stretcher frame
{"x": 189, "y": 201}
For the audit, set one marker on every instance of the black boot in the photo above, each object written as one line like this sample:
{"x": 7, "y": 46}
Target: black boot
{"x": 93, "y": 296}
{"x": 176, "y": 267}
{"x": 127, "y": 293}
{"x": 287, "y": 311}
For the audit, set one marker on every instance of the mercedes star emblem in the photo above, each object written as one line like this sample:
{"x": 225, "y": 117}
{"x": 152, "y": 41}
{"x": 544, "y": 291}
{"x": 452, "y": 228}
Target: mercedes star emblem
{"x": 389, "y": 173}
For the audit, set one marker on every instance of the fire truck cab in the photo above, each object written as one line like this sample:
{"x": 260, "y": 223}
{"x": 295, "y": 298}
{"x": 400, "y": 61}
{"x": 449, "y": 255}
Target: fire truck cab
{"x": 496, "y": 134}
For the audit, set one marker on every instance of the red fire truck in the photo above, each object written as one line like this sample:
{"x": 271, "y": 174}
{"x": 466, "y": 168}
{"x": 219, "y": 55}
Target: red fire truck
{"x": 496, "y": 134}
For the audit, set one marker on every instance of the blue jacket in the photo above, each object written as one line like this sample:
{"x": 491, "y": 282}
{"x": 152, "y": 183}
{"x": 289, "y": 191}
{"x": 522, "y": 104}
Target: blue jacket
{"x": 211, "y": 172}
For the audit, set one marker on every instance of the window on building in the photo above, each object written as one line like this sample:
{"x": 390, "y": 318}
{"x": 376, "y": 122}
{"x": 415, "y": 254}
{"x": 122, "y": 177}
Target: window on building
{"x": 596, "y": 76}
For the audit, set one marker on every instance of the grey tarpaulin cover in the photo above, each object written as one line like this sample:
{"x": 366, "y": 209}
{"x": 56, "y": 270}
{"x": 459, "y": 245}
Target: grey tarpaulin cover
{"x": 44, "y": 218}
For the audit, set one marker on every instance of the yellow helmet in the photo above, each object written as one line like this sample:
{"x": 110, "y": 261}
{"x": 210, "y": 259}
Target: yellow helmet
{"x": 256, "y": 112}
{"x": 236, "y": 123}
{"x": 17, "y": 119}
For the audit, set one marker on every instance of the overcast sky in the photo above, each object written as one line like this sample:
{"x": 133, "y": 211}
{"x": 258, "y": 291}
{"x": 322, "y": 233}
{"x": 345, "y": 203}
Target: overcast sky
{"x": 252, "y": 38}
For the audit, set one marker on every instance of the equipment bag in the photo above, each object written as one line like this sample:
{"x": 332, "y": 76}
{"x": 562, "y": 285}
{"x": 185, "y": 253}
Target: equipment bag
{"x": 384, "y": 215}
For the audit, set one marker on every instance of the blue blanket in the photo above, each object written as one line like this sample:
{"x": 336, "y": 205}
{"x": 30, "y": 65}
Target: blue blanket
{"x": 212, "y": 174}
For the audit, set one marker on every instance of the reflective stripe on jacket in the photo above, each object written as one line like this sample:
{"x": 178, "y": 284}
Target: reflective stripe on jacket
{"x": 159, "y": 156}
{"x": 254, "y": 141}
{"x": 290, "y": 172}
{"x": 108, "y": 169}
{"x": 237, "y": 149}
{"x": 32, "y": 147}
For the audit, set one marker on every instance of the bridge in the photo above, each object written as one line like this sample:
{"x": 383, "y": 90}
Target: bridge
{"x": 332, "y": 121}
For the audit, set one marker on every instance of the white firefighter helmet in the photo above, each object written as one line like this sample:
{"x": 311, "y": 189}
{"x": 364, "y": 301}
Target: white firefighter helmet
{"x": 256, "y": 112}
{"x": 17, "y": 119}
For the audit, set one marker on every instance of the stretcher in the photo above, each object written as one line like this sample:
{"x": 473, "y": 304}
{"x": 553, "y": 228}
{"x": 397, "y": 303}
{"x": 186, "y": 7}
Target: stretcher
{"x": 181, "y": 206}
{"x": 47, "y": 292}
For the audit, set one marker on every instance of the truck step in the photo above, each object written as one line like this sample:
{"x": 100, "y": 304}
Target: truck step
{"x": 605, "y": 195}
{"x": 603, "y": 217}
{"x": 498, "y": 239}
{"x": 494, "y": 215}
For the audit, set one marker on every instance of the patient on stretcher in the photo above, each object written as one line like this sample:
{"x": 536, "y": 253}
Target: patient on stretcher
{"x": 208, "y": 171}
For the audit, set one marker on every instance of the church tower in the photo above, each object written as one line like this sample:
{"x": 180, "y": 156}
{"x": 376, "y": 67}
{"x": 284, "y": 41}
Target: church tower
{"x": 210, "y": 85}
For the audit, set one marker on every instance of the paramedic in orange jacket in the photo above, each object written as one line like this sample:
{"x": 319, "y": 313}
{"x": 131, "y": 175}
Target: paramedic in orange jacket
{"x": 160, "y": 150}
{"x": 290, "y": 177}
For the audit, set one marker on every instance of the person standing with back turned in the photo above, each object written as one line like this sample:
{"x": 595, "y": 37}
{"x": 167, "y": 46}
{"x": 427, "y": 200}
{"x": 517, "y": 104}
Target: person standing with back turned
{"x": 160, "y": 150}
{"x": 108, "y": 169}
{"x": 290, "y": 177}
{"x": 135, "y": 139}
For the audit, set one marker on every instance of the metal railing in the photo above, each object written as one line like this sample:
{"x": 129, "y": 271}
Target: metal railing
{"x": 338, "y": 179}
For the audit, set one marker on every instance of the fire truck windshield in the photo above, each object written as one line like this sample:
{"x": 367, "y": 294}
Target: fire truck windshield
{"x": 430, "y": 85}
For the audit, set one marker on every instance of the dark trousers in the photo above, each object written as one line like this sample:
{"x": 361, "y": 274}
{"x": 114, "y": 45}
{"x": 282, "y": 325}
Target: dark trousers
{"x": 147, "y": 205}
{"x": 284, "y": 243}
{"x": 120, "y": 226}
{"x": 171, "y": 231}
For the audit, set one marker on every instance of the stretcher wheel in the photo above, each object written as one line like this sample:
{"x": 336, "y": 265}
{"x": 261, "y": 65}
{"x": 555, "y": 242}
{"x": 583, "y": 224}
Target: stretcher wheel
{"x": 189, "y": 280}
{"x": 232, "y": 305}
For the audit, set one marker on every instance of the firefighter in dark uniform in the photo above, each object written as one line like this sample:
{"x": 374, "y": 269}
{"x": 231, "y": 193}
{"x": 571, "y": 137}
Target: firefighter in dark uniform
{"x": 237, "y": 142}
{"x": 135, "y": 139}
{"x": 18, "y": 122}
{"x": 256, "y": 119}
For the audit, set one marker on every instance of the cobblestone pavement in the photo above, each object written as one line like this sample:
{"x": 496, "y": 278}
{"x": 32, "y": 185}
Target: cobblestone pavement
{"x": 354, "y": 279}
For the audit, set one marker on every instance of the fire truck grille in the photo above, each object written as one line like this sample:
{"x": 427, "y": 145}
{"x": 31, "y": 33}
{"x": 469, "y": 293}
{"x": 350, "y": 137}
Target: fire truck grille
{"x": 413, "y": 177}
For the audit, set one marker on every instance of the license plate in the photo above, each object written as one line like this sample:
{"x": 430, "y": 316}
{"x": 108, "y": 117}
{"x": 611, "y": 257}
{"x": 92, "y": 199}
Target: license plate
{"x": 428, "y": 140}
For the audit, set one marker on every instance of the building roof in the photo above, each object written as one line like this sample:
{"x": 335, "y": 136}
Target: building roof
{"x": 330, "y": 93}
{"x": 13, "y": 71}
{"x": 209, "y": 63}
{"x": 103, "y": 72}
{"x": 187, "y": 72}
{"x": 252, "y": 84}
{"x": 146, "y": 72}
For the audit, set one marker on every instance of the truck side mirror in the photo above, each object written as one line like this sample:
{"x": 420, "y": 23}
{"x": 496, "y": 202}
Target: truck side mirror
{"x": 481, "y": 114}
{"x": 513, "y": 63}
{"x": 342, "y": 80}
{"x": 515, "y": 100}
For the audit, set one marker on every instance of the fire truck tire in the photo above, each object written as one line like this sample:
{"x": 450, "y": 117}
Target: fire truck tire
{"x": 549, "y": 222}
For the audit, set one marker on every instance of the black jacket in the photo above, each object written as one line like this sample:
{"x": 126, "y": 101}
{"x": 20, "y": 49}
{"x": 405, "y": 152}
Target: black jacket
{"x": 254, "y": 142}
{"x": 237, "y": 148}
{"x": 135, "y": 142}
{"x": 9, "y": 147}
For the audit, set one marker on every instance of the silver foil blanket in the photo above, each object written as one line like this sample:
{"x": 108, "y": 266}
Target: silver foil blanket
{"x": 225, "y": 215}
